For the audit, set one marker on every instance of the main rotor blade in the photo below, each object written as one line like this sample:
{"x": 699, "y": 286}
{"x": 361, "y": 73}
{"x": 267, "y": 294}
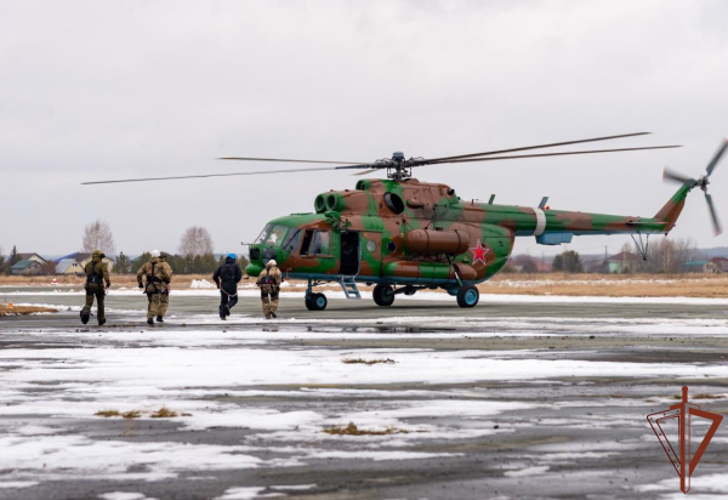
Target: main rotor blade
{"x": 285, "y": 160}
{"x": 541, "y": 155}
{"x": 713, "y": 215}
{"x": 716, "y": 158}
{"x": 205, "y": 176}
{"x": 670, "y": 175}
{"x": 365, "y": 172}
{"x": 526, "y": 148}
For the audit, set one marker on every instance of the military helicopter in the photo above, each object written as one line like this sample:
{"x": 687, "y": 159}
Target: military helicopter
{"x": 403, "y": 235}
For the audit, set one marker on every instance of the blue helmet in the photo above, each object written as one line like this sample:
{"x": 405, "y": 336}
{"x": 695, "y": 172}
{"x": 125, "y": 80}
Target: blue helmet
{"x": 231, "y": 256}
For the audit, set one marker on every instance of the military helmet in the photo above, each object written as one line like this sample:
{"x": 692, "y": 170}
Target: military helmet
{"x": 271, "y": 263}
{"x": 98, "y": 254}
{"x": 155, "y": 253}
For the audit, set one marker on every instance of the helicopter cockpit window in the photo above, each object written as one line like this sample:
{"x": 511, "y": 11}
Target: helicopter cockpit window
{"x": 321, "y": 244}
{"x": 263, "y": 234}
{"x": 292, "y": 240}
{"x": 272, "y": 235}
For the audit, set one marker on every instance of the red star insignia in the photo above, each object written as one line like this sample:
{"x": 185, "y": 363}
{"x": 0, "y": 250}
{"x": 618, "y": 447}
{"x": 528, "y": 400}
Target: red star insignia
{"x": 479, "y": 252}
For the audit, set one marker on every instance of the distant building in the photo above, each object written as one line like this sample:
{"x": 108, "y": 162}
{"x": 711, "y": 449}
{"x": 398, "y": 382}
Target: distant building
{"x": 81, "y": 259}
{"x": 717, "y": 265}
{"x": 26, "y": 268}
{"x": 69, "y": 266}
{"x": 32, "y": 256}
{"x": 624, "y": 262}
{"x": 528, "y": 264}
{"x": 694, "y": 266}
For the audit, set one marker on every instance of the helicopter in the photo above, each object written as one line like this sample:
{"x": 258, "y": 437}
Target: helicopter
{"x": 402, "y": 235}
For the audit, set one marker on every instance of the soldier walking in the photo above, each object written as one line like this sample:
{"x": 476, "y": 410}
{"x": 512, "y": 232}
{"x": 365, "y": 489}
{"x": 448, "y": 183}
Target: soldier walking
{"x": 269, "y": 282}
{"x": 97, "y": 274}
{"x": 164, "y": 297}
{"x": 227, "y": 277}
{"x": 158, "y": 276}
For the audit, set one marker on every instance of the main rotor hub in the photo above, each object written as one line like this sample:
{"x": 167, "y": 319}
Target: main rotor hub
{"x": 399, "y": 168}
{"x": 703, "y": 183}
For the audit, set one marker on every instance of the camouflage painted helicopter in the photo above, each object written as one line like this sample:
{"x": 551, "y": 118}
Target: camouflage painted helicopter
{"x": 403, "y": 235}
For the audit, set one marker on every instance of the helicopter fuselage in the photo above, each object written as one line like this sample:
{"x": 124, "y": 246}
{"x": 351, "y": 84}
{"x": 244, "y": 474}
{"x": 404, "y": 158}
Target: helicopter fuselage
{"x": 412, "y": 233}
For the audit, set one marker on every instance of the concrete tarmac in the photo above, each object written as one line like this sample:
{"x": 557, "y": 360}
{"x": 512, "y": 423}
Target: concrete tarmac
{"x": 574, "y": 433}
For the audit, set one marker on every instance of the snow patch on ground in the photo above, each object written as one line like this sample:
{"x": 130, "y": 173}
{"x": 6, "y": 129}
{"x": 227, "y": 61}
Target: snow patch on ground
{"x": 713, "y": 483}
{"x": 201, "y": 289}
{"x": 197, "y": 284}
{"x": 528, "y": 471}
{"x": 122, "y": 495}
{"x": 245, "y": 493}
{"x": 74, "y": 457}
{"x": 17, "y": 484}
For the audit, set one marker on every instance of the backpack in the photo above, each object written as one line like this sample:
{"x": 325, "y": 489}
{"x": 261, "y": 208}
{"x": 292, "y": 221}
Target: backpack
{"x": 227, "y": 275}
{"x": 268, "y": 279}
{"x": 96, "y": 275}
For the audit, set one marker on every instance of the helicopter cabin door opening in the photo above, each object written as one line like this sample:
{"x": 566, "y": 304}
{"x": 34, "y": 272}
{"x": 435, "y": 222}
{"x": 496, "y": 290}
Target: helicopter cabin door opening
{"x": 349, "y": 253}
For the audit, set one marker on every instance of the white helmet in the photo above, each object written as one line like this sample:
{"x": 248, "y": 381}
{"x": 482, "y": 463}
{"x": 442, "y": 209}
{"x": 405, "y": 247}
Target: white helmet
{"x": 271, "y": 263}
{"x": 155, "y": 253}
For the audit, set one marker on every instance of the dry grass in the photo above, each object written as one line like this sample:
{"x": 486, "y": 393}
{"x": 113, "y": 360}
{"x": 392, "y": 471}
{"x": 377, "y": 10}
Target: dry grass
{"x": 107, "y": 413}
{"x": 698, "y": 396}
{"x": 117, "y": 280}
{"x": 359, "y": 361}
{"x": 604, "y": 285}
{"x": 623, "y": 285}
{"x": 706, "y": 396}
{"x": 163, "y": 412}
{"x": 10, "y": 310}
{"x": 353, "y": 430}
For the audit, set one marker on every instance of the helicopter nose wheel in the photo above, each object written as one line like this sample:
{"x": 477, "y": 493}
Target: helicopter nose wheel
{"x": 316, "y": 302}
{"x": 383, "y": 295}
{"x": 468, "y": 296}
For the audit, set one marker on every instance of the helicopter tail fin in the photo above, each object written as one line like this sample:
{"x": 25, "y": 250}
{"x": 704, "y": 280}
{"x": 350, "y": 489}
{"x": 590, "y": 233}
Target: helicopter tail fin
{"x": 670, "y": 212}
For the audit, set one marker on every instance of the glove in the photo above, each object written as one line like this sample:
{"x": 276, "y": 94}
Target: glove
{"x": 141, "y": 286}
{"x": 108, "y": 285}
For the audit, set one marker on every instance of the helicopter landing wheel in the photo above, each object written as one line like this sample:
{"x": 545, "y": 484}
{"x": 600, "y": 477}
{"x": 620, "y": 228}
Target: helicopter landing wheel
{"x": 383, "y": 295}
{"x": 468, "y": 296}
{"x": 316, "y": 302}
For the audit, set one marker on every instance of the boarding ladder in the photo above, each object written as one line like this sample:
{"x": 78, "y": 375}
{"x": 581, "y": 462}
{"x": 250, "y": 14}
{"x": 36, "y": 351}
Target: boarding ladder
{"x": 348, "y": 285}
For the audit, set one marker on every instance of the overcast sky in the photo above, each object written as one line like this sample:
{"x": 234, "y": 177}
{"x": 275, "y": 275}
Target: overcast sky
{"x": 95, "y": 90}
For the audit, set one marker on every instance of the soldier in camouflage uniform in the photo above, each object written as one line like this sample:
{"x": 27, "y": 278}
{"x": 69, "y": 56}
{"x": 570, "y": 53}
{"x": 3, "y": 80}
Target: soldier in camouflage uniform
{"x": 97, "y": 275}
{"x": 158, "y": 276}
{"x": 164, "y": 297}
{"x": 269, "y": 282}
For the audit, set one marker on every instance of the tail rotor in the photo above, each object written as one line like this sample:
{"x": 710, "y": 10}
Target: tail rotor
{"x": 701, "y": 182}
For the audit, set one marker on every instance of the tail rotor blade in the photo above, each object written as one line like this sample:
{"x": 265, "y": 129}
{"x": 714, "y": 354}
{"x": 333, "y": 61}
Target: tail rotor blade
{"x": 713, "y": 215}
{"x": 716, "y": 158}
{"x": 671, "y": 175}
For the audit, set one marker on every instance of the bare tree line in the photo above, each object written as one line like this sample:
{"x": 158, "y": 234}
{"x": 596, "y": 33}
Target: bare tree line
{"x": 195, "y": 242}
